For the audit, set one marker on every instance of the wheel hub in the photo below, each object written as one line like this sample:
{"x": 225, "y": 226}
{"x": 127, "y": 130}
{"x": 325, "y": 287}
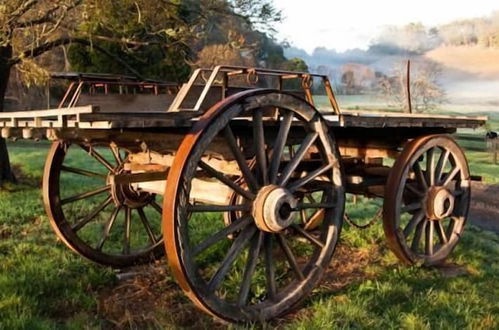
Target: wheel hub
{"x": 439, "y": 203}
{"x": 274, "y": 209}
{"x": 125, "y": 194}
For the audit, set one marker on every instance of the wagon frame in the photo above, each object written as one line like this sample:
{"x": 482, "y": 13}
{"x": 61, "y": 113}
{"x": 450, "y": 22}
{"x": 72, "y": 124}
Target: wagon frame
{"x": 264, "y": 161}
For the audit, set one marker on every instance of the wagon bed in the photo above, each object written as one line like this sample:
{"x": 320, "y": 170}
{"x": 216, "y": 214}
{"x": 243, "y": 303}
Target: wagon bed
{"x": 92, "y": 118}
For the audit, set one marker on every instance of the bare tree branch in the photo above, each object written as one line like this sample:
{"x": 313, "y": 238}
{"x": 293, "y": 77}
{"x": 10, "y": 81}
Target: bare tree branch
{"x": 21, "y": 10}
{"x": 47, "y": 18}
{"x": 125, "y": 41}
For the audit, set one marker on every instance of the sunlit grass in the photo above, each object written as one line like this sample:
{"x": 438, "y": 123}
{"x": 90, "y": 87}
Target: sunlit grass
{"x": 45, "y": 285}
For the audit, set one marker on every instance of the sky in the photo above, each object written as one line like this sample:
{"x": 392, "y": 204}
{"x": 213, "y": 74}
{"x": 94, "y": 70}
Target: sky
{"x": 349, "y": 24}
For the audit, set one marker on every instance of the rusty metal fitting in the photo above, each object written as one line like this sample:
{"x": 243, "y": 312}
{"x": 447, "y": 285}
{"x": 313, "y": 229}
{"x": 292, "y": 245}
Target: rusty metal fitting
{"x": 252, "y": 77}
{"x": 307, "y": 82}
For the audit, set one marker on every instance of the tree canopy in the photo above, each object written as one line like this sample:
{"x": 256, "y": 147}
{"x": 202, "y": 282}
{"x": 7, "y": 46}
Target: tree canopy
{"x": 149, "y": 38}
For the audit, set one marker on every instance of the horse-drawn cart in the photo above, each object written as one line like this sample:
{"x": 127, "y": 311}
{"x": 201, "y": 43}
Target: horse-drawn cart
{"x": 241, "y": 174}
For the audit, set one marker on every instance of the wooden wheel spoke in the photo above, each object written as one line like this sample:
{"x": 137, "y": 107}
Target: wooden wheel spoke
{"x": 295, "y": 161}
{"x": 311, "y": 198}
{"x": 80, "y": 224}
{"x": 259, "y": 145}
{"x": 251, "y": 263}
{"x": 311, "y": 176}
{"x": 235, "y": 250}
{"x": 430, "y": 167}
{"x": 417, "y": 236}
{"x": 290, "y": 257}
{"x": 116, "y": 154}
{"x": 411, "y": 207}
{"x": 269, "y": 267}
{"x": 414, "y": 190}
{"x": 441, "y": 232}
{"x": 420, "y": 177}
{"x": 429, "y": 238}
{"x": 450, "y": 228}
{"x": 147, "y": 226}
{"x": 415, "y": 220}
{"x": 156, "y": 206}
{"x": 249, "y": 178}
{"x": 82, "y": 172}
{"x": 303, "y": 216}
{"x": 84, "y": 195}
{"x": 223, "y": 233}
{"x": 219, "y": 208}
{"x": 107, "y": 228}
{"x": 450, "y": 176}
{"x": 222, "y": 178}
{"x": 308, "y": 236}
{"x": 128, "y": 223}
{"x": 279, "y": 145}
{"x": 91, "y": 151}
{"x": 442, "y": 161}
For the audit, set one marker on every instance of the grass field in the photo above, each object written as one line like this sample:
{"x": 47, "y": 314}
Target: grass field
{"x": 43, "y": 285}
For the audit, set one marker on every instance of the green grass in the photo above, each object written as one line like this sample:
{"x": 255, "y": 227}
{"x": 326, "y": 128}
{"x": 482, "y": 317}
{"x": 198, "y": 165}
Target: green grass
{"x": 43, "y": 285}
{"x": 481, "y": 164}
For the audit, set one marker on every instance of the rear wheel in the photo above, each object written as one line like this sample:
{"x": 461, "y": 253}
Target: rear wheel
{"x": 427, "y": 197}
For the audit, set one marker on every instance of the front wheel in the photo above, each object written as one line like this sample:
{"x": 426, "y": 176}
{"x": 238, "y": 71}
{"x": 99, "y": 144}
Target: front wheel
{"x": 110, "y": 224}
{"x": 263, "y": 261}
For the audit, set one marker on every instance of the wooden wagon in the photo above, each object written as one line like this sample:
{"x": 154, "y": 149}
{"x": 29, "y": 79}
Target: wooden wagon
{"x": 241, "y": 174}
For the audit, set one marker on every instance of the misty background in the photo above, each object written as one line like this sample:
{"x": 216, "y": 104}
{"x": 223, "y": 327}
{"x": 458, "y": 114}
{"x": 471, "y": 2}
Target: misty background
{"x": 459, "y": 59}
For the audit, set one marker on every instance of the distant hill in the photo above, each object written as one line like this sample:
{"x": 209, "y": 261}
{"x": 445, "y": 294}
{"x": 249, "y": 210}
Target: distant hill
{"x": 478, "y": 61}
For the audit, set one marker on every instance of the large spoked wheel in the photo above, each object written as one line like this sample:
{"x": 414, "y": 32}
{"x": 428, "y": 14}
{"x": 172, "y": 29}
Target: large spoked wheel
{"x": 108, "y": 223}
{"x": 263, "y": 261}
{"x": 427, "y": 197}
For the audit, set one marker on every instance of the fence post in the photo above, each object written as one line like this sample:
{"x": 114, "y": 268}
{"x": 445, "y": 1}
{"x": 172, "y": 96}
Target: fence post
{"x": 495, "y": 149}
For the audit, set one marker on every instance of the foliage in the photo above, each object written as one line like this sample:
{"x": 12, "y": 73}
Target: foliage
{"x": 213, "y": 55}
{"x": 143, "y": 37}
{"x": 244, "y": 37}
{"x": 260, "y": 14}
{"x": 175, "y": 35}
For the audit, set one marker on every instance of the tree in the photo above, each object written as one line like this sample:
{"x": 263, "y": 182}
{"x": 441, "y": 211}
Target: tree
{"x": 213, "y": 55}
{"x": 28, "y": 28}
{"x": 142, "y": 37}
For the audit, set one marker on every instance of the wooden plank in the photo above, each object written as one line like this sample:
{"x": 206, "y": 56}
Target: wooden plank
{"x": 380, "y": 114}
{"x": 47, "y": 113}
{"x": 378, "y": 119}
{"x": 135, "y": 103}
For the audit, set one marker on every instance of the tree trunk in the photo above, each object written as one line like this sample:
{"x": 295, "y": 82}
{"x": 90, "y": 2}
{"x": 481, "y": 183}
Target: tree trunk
{"x": 5, "y": 169}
